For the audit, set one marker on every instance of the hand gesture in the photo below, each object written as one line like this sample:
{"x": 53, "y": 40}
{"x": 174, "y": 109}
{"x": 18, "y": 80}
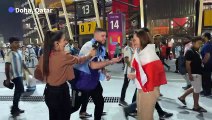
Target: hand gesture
{"x": 108, "y": 76}
{"x": 131, "y": 76}
{"x": 116, "y": 60}
{"x": 191, "y": 78}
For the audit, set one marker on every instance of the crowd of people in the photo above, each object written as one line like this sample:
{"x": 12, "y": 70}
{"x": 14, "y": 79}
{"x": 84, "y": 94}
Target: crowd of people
{"x": 63, "y": 65}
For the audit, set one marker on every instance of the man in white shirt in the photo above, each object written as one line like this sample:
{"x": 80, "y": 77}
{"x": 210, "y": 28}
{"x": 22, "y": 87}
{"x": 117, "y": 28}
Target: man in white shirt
{"x": 128, "y": 52}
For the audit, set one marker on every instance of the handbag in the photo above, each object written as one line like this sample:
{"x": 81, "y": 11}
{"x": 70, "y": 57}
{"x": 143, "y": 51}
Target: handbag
{"x": 10, "y": 86}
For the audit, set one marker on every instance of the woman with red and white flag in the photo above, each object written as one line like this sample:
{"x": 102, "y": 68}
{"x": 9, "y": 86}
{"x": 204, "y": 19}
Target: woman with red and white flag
{"x": 149, "y": 74}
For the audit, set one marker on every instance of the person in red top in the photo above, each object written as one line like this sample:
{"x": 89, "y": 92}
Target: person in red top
{"x": 163, "y": 54}
{"x": 163, "y": 50}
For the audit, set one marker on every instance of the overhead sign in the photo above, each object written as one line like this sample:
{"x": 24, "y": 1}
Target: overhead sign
{"x": 115, "y": 22}
{"x": 87, "y": 28}
{"x": 85, "y": 9}
{"x": 207, "y": 18}
{"x": 55, "y": 3}
{"x": 160, "y": 30}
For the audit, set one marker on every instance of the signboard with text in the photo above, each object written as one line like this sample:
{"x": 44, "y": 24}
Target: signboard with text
{"x": 55, "y": 3}
{"x": 87, "y": 28}
{"x": 114, "y": 23}
{"x": 85, "y": 10}
{"x": 116, "y": 31}
{"x": 208, "y": 18}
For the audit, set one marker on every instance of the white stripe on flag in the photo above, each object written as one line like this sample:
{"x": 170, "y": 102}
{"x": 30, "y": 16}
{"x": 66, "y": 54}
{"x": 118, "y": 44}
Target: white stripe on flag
{"x": 141, "y": 76}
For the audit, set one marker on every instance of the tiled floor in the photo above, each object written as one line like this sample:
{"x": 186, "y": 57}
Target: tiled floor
{"x": 39, "y": 111}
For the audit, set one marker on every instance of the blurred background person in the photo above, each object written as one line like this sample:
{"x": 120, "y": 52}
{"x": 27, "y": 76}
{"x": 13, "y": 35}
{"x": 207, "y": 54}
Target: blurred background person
{"x": 206, "y": 53}
{"x": 31, "y": 61}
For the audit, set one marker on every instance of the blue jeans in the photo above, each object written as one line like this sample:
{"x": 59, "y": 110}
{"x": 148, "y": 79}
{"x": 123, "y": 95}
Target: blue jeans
{"x": 19, "y": 89}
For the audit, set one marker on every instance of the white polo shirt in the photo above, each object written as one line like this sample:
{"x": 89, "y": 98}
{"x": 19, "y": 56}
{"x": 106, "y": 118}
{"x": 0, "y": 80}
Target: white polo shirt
{"x": 128, "y": 52}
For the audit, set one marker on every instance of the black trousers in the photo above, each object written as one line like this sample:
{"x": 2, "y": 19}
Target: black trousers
{"x": 206, "y": 82}
{"x": 134, "y": 96}
{"x": 19, "y": 89}
{"x": 124, "y": 88}
{"x": 159, "y": 109}
{"x": 176, "y": 63}
{"x": 98, "y": 100}
{"x": 80, "y": 98}
{"x": 163, "y": 61}
{"x": 57, "y": 99}
{"x": 85, "y": 100}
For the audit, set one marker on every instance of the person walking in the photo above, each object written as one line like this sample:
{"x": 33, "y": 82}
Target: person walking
{"x": 163, "y": 55}
{"x": 14, "y": 66}
{"x": 89, "y": 74}
{"x": 206, "y": 54}
{"x": 194, "y": 70}
{"x": 128, "y": 52}
{"x": 2, "y": 53}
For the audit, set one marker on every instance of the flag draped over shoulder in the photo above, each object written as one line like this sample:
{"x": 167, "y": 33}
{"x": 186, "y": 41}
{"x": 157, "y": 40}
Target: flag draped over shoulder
{"x": 140, "y": 75}
{"x": 149, "y": 69}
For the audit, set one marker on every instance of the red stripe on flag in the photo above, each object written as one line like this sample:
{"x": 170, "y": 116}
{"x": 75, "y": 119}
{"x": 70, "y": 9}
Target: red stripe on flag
{"x": 156, "y": 75}
{"x": 136, "y": 65}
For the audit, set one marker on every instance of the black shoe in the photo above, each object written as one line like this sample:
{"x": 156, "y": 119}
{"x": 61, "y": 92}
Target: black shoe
{"x": 134, "y": 114}
{"x": 21, "y": 111}
{"x": 16, "y": 112}
{"x": 126, "y": 114}
{"x": 182, "y": 101}
{"x": 85, "y": 115}
{"x": 200, "y": 109}
{"x": 104, "y": 113}
{"x": 165, "y": 115}
{"x": 186, "y": 87}
{"x": 123, "y": 103}
{"x": 176, "y": 72}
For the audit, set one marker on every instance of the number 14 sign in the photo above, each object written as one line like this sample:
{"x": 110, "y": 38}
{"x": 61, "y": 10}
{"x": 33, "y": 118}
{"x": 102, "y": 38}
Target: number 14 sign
{"x": 116, "y": 31}
{"x": 115, "y": 22}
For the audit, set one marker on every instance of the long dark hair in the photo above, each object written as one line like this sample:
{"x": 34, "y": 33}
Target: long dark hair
{"x": 50, "y": 38}
{"x": 143, "y": 37}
